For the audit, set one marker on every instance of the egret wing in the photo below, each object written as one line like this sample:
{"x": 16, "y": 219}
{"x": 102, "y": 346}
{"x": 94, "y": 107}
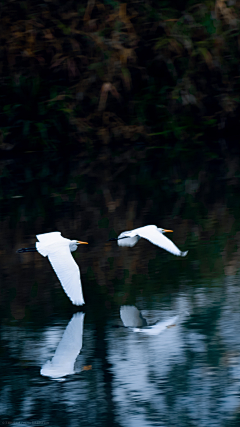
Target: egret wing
{"x": 126, "y": 239}
{"x": 49, "y": 238}
{"x": 157, "y": 238}
{"x": 67, "y": 271}
{"x": 67, "y": 350}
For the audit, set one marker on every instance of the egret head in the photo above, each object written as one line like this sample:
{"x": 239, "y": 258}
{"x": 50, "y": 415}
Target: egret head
{"x": 163, "y": 230}
{"x": 74, "y": 244}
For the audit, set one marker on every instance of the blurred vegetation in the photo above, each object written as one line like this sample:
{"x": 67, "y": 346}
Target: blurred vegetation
{"x": 143, "y": 74}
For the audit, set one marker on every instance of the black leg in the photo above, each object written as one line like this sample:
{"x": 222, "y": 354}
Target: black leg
{"x": 19, "y": 251}
{"x": 117, "y": 238}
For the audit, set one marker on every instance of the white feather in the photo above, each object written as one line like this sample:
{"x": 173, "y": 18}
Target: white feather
{"x": 154, "y": 235}
{"x": 68, "y": 273}
{"x": 67, "y": 350}
{"x": 50, "y": 237}
{"x": 66, "y": 269}
{"x": 128, "y": 241}
{"x": 47, "y": 239}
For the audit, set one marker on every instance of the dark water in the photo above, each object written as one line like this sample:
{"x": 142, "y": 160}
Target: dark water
{"x": 185, "y": 372}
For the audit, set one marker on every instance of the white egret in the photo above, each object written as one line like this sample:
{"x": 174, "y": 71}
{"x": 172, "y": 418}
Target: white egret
{"x": 69, "y": 347}
{"x": 151, "y": 233}
{"x": 58, "y": 250}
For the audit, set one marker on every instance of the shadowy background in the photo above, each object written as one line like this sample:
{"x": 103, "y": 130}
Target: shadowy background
{"x": 148, "y": 75}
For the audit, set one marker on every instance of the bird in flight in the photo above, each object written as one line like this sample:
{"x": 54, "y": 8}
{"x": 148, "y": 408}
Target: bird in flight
{"x": 58, "y": 250}
{"x": 151, "y": 233}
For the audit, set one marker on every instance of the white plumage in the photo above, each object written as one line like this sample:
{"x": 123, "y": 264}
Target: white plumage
{"x": 151, "y": 233}
{"x": 58, "y": 250}
{"x": 130, "y": 240}
{"x": 67, "y": 350}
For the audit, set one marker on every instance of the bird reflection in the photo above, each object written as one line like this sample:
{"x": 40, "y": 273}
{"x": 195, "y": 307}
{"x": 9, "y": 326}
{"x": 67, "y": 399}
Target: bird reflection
{"x": 69, "y": 347}
{"x": 132, "y": 318}
{"x": 158, "y": 327}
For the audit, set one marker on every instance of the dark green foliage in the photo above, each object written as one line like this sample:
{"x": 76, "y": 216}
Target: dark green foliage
{"x": 155, "y": 75}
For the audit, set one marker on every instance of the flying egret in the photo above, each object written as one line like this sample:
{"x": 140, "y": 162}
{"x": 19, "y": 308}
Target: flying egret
{"x": 58, "y": 250}
{"x": 69, "y": 347}
{"x": 151, "y": 233}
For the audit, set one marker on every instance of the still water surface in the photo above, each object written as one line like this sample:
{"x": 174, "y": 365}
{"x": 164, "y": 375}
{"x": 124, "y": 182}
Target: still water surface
{"x": 175, "y": 359}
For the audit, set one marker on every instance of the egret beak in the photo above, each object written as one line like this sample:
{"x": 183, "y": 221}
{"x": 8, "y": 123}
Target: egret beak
{"x": 168, "y": 231}
{"x": 82, "y": 243}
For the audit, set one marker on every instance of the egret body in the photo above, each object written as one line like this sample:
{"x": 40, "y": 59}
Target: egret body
{"x": 151, "y": 233}
{"x": 58, "y": 250}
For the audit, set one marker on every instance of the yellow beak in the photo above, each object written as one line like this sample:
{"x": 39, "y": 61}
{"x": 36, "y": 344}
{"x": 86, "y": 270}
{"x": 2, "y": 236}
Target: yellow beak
{"x": 82, "y": 243}
{"x": 168, "y": 231}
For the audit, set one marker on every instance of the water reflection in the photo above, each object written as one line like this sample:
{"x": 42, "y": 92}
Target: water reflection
{"x": 189, "y": 375}
{"x": 132, "y": 317}
{"x": 158, "y": 327}
{"x": 69, "y": 347}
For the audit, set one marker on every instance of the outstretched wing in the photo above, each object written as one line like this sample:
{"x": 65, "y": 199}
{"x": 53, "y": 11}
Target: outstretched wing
{"x": 152, "y": 234}
{"x": 47, "y": 239}
{"x": 67, "y": 271}
{"x": 67, "y": 350}
{"x": 125, "y": 239}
